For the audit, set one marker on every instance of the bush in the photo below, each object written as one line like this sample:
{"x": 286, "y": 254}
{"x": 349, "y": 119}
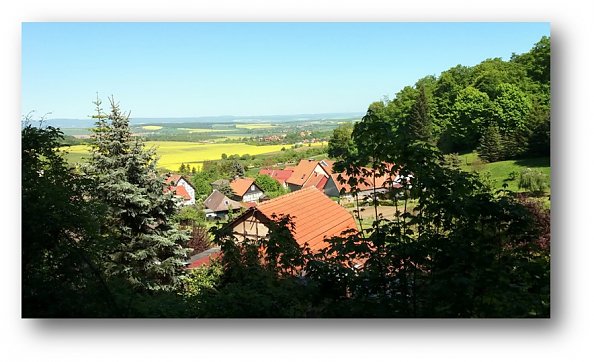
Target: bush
{"x": 189, "y": 215}
{"x": 199, "y": 240}
{"x": 532, "y": 180}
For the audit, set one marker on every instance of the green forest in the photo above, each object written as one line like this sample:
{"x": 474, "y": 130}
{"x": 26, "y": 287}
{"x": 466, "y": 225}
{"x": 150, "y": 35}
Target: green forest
{"x": 103, "y": 240}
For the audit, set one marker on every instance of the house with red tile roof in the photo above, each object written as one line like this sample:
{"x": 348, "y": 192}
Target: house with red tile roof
{"x": 246, "y": 190}
{"x": 304, "y": 171}
{"x": 182, "y": 188}
{"x": 281, "y": 176}
{"x": 315, "y": 217}
{"x": 368, "y": 184}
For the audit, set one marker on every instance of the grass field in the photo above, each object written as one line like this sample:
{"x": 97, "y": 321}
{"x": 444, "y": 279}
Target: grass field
{"x": 203, "y": 130}
{"x": 172, "y": 154}
{"x": 255, "y": 125}
{"x": 152, "y": 128}
{"x": 500, "y": 171}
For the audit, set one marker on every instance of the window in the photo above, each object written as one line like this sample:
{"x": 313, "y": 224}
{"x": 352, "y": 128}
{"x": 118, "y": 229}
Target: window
{"x": 253, "y": 188}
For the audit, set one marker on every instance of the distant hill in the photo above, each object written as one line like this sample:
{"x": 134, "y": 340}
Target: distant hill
{"x": 85, "y": 123}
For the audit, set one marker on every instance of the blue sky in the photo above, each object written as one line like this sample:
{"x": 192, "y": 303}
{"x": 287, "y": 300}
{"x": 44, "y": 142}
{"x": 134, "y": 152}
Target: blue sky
{"x": 202, "y": 69}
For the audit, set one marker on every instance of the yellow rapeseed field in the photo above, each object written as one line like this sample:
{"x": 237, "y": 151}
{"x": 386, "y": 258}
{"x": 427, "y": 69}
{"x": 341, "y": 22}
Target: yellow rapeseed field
{"x": 172, "y": 154}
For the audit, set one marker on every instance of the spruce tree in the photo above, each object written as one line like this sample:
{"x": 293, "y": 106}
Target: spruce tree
{"x": 146, "y": 247}
{"x": 418, "y": 125}
{"x": 237, "y": 169}
{"x": 491, "y": 148}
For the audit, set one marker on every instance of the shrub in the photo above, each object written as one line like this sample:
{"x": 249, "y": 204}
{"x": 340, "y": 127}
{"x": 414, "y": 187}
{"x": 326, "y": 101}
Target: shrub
{"x": 532, "y": 180}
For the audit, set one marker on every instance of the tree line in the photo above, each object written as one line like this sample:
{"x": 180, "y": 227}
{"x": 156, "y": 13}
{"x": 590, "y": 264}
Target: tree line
{"x": 500, "y": 108}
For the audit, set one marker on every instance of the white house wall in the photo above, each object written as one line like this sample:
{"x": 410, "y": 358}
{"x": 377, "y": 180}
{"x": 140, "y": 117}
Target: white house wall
{"x": 190, "y": 191}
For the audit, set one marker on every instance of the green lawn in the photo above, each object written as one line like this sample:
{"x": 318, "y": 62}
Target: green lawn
{"x": 499, "y": 171}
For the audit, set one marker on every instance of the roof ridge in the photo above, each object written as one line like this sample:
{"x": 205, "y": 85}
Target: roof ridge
{"x": 287, "y": 195}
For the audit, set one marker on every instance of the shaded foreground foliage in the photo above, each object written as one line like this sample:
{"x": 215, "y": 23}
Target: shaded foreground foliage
{"x": 461, "y": 252}
{"x": 97, "y": 242}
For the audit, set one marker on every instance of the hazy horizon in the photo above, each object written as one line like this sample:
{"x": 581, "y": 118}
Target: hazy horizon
{"x": 279, "y": 118}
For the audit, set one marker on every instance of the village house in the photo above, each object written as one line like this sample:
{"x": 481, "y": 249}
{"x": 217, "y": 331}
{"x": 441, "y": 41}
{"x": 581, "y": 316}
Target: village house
{"x": 246, "y": 190}
{"x": 315, "y": 217}
{"x": 217, "y": 205}
{"x": 182, "y": 188}
{"x": 281, "y": 176}
{"x": 367, "y": 187}
{"x": 308, "y": 173}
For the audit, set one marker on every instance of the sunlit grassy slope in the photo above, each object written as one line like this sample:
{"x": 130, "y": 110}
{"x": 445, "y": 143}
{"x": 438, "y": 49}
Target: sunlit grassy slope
{"x": 500, "y": 171}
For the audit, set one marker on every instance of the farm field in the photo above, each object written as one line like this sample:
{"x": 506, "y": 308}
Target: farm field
{"x": 152, "y": 128}
{"x": 172, "y": 153}
{"x": 204, "y": 130}
{"x": 255, "y": 125}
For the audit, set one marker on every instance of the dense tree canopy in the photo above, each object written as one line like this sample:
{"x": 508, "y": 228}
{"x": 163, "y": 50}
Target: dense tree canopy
{"x": 61, "y": 273}
{"x": 340, "y": 143}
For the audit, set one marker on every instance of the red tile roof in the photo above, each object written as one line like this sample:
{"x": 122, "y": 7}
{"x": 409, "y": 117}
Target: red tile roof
{"x": 315, "y": 215}
{"x": 317, "y": 180}
{"x": 279, "y": 175}
{"x": 367, "y": 181}
{"x": 302, "y": 172}
{"x": 173, "y": 179}
{"x": 205, "y": 260}
{"x": 179, "y": 191}
{"x": 241, "y": 185}
{"x": 327, "y": 165}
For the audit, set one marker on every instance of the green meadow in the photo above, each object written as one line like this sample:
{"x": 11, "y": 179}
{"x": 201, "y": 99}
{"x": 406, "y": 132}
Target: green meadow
{"x": 499, "y": 172}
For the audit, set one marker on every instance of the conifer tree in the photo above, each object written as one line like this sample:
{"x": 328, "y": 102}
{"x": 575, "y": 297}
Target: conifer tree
{"x": 237, "y": 169}
{"x": 418, "y": 125}
{"x": 146, "y": 247}
{"x": 491, "y": 147}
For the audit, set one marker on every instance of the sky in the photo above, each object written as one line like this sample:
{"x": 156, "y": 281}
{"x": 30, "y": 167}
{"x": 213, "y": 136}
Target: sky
{"x": 246, "y": 69}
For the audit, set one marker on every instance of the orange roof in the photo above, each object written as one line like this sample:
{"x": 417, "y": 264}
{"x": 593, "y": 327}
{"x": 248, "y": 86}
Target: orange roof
{"x": 302, "y": 172}
{"x": 315, "y": 215}
{"x": 317, "y": 180}
{"x": 327, "y": 165}
{"x": 241, "y": 185}
{"x": 179, "y": 191}
{"x": 367, "y": 181}
{"x": 280, "y": 175}
{"x": 173, "y": 178}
